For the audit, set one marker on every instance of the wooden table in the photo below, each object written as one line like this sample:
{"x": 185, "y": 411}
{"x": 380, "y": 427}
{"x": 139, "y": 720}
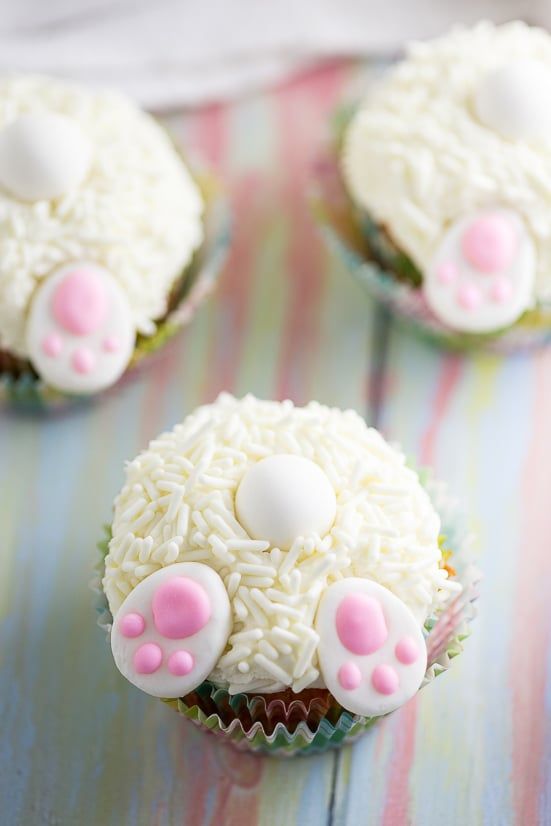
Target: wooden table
{"x": 81, "y": 746}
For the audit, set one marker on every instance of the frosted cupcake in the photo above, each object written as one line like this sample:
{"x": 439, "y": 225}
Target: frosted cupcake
{"x": 100, "y": 222}
{"x": 448, "y": 161}
{"x": 278, "y": 574}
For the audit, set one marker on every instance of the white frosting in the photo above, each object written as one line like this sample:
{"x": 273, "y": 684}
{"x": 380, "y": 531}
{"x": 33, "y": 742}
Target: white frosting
{"x": 137, "y": 212}
{"x": 43, "y": 156}
{"x": 283, "y": 497}
{"x": 350, "y": 670}
{"x": 178, "y": 504}
{"x": 418, "y": 158}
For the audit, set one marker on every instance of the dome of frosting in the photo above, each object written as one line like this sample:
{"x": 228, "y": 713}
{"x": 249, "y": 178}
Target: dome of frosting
{"x": 187, "y": 498}
{"x": 87, "y": 176}
{"x": 459, "y": 126}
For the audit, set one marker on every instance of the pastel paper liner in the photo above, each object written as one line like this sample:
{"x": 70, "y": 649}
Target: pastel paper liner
{"x": 314, "y": 722}
{"x": 387, "y": 274}
{"x": 29, "y": 392}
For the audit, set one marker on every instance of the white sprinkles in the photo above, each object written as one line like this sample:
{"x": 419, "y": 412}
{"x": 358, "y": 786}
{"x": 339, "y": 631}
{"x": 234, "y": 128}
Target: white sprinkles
{"x": 178, "y": 506}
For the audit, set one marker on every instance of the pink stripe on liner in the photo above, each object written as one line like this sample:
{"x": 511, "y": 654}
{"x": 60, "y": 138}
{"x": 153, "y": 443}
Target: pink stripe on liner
{"x": 531, "y": 635}
{"x": 398, "y": 798}
{"x": 304, "y": 109}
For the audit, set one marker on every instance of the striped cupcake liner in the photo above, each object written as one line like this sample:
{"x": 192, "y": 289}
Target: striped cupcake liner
{"x": 313, "y": 722}
{"x": 24, "y": 390}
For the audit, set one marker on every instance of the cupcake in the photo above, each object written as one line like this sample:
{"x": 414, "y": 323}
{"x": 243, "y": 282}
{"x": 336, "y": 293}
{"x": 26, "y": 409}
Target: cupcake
{"x": 100, "y": 228}
{"x": 279, "y": 575}
{"x": 447, "y": 163}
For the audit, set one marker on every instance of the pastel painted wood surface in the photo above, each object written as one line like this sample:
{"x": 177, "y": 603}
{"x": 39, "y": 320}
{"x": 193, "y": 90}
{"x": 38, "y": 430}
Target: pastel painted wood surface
{"x": 79, "y": 745}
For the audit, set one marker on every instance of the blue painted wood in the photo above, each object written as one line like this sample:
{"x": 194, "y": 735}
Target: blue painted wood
{"x": 77, "y": 744}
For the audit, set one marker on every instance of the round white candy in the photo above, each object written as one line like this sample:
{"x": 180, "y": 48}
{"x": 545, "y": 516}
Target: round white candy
{"x": 43, "y": 155}
{"x": 79, "y": 333}
{"x": 283, "y": 497}
{"x": 171, "y": 629}
{"x": 372, "y": 652}
{"x": 481, "y": 277}
{"x": 515, "y": 100}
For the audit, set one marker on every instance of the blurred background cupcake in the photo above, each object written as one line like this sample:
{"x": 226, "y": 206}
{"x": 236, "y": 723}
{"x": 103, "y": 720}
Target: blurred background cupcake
{"x": 446, "y": 162}
{"x": 280, "y": 575}
{"x": 103, "y": 234}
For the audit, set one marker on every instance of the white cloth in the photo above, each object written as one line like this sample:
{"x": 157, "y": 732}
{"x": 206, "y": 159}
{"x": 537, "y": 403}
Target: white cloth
{"x": 169, "y": 53}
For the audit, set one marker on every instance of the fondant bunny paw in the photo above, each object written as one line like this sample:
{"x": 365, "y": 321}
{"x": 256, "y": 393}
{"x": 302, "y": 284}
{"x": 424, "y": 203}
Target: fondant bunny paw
{"x": 79, "y": 333}
{"x": 372, "y": 653}
{"x": 482, "y": 274}
{"x": 171, "y": 629}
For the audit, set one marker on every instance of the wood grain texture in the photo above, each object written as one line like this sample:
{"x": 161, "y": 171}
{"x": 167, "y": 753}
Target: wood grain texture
{"x": 79, "y": 745}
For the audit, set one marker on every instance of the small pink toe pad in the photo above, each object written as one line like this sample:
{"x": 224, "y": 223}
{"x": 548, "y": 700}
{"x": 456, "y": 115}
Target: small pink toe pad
{"x": 385, "y": 679}
{"x": 132, "y": 625}
{"x": 148, "y": 658}
{"x": 350, "y": 676}
{"x": 52, "y": 345}
{"x": 83, "y": 360}
{"x": 180, "y": 663}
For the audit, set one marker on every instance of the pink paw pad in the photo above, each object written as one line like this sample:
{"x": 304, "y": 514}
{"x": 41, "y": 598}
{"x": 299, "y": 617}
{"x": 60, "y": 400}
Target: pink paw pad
{"x": 469, "y": 297}
{"x": 350, "y": 676}
{"x": 180, "y": 608}
{"x": 489, "y": 243}
{"x": 407, "y": 650}
{"x": 481, "y": 277}
{"x": 80, "y": 333}
{"x": 385, "y": 679}
{"x": 186, "y": 600}
{"x": 447, "y": 272}
{"x": 180, "y": 663}
{"x": 148, "y": 658}
{"x": 361, "y": 624}
{"x": 111, "y": 344}
{"x": 372, "y": 652}
{"x": 80, "y": 302}
{"x": 132, "y": 625}
{"x": 83, "y": 360}
{"x": 52, "y": 345}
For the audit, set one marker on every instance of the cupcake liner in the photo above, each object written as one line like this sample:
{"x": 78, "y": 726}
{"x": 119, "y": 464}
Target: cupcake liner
{"x": 313, "y": 721}
{"x": 389, "y": 275}
{"x": 23, "y": 389}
